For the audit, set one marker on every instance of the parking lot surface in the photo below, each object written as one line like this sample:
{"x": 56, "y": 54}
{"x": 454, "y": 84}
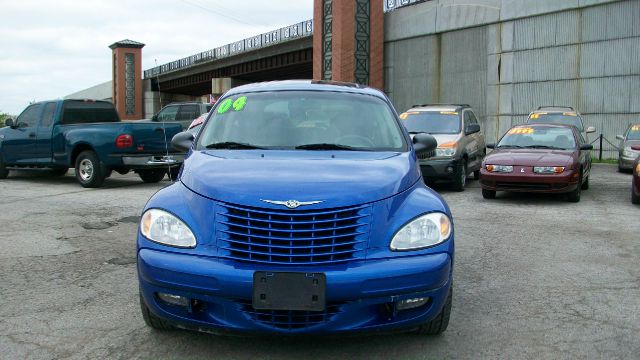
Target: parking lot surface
{"x": 535, "y": 277}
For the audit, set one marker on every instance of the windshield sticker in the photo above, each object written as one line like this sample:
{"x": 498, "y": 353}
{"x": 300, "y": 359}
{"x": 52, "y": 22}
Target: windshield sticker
{"x": 448, "y": 113}
{"x": 537, "y": 115}
{"x": 240, "y": 103}
{"x": 635, "y": 128}
{"x": 405, "y": 116}
{"x": 521, "y": 131}
{"x": 569, "y": 114}
{"x": 225, "y": 106}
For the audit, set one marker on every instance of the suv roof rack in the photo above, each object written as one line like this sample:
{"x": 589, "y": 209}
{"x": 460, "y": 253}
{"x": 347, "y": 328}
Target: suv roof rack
{"x": 458, "y": 105}
{"x": 556, "y": 106}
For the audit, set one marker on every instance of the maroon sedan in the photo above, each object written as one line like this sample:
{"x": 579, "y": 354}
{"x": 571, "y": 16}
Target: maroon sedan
{"x": 541, "y": 158}
{"x": 635, "y": 184}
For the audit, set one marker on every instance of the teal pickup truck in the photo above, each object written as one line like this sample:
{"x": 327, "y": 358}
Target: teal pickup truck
{"x": 87, "y": 135}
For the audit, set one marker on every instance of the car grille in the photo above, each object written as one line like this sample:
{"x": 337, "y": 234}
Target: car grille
{"x": 518, "y": 185}
{"x": 290, "y": 319}
{"x": 292, "y": 237}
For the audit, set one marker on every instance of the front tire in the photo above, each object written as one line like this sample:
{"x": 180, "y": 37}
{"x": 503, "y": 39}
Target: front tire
{"x": 585, "y": 184}
{"x": 151, "y": 320}
{"x": 152, "y": 176}
{"x": 89, "y": 170}
{"x": 441, "y": 322}
{"x": 574, "y": 196}
{"x": 174, "y": 172}
{"x": 488, "y": 194}
{"x": 4, "y": 172}
{"x": 460, "y": 178}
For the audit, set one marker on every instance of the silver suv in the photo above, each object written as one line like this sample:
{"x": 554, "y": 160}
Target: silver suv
{"x": 461, "y": 145}
{"x": 564, "y": 115}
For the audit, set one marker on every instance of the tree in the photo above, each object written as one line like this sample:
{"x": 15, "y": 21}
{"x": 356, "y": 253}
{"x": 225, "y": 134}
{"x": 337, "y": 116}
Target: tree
{"x": 3, "y": 117}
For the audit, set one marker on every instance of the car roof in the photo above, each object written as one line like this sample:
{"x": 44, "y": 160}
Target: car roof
{"x": 306, "y": 85}
{"x": 439, "y": 107}
{"x": 555, "y": 110}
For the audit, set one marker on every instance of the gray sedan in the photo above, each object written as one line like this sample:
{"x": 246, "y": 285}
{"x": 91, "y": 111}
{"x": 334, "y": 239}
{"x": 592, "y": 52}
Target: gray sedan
{"x": 627, "y": 156}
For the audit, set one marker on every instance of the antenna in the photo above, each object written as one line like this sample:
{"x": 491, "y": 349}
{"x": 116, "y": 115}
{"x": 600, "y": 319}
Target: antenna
{"x": 164, "y": 128}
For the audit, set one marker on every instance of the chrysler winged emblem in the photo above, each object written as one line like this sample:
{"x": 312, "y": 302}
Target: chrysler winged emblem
{"x": 292, "y": 204}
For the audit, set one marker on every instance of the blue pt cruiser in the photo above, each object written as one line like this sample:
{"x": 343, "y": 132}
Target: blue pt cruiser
{"x": 300, "y": 209}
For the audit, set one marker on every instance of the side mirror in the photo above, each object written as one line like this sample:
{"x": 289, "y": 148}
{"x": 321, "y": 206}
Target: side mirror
{"x": 154, "y": 118}
{"x": 620, "y": 137}
{"x": 635, "y": 147}
{"x": 9, "y": 123}
{"x": 472, "y": 129}
{"x": 590, "y": 130}
{"x": 182, "y": 141}
{"x": 491, "y": 146}
{"x": 586, "y": 147}
{"x": 424, "y": 143}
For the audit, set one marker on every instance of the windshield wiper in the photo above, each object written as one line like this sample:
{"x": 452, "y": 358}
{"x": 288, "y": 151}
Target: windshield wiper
{"x": 544, "y": 147}
{"x": 509, "y": 146}
{"x": 232, "y": 145}
{"x": 326, "y": 146}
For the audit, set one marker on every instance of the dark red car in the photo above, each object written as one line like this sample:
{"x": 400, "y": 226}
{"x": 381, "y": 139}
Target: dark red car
{"x": 635, "y": 184}
{"x": 541, "y": 158}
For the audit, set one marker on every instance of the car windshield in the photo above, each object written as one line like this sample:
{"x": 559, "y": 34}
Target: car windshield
{"x": 432, "y": 122}
{"x": 538, "y": 137}
{"x": 557, "y": 118}
{"x": 303, "y": 120}
{"x": 634, "y": 132}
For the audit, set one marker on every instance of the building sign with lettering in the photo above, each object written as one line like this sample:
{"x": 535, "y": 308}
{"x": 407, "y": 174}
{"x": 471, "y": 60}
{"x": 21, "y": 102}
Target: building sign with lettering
{"x": 390, "y": 5}
{"x": 288, "y": 33}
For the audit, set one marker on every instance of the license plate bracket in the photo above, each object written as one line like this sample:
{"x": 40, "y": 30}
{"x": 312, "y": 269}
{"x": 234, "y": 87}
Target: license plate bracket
{"x": 289, "y": 291}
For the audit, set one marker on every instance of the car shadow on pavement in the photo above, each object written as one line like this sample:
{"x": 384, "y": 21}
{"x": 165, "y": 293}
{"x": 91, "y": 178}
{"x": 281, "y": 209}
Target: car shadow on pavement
{"x": 44, "y": 177}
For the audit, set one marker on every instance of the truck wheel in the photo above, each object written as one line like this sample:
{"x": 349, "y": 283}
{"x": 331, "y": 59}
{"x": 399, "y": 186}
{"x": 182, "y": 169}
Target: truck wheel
{"x": 152, "y": 176}
{"x": 89, "y": 170}
{"x": 151, "y": 320}
{"x": 4, "y": 172}
{"x": 440, "y": 323}
{"x": 59, "y": 171}
{"x": 488, "y": 194}
{"x": 574, "y": 196}
{"x": 476, "y": 175}
{"x": 174, "y": 172}
{"x": 585, "y": 184}
{"x": 460, "y": 177}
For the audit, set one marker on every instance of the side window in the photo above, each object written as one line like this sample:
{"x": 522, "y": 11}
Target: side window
{"x": 48, "y": 113}
{"x": 581, "y": 139}
{"x": 467, "y": 119}
{"x": 472, "y": 117}
{"x": 29, "y": 117}
{"x": 188, "y": 112}
{"x": 168, "y": 114}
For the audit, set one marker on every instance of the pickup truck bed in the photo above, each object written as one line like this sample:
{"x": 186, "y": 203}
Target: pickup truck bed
{"x": 88, "y": 136}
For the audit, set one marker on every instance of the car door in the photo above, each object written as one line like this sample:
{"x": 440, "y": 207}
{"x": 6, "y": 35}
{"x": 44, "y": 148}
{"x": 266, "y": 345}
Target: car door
{"x": 19, "y": 145}
{"x": 44, "y": 132}
{"x": 470, "y": 142}
{"x": 187, "y": 114}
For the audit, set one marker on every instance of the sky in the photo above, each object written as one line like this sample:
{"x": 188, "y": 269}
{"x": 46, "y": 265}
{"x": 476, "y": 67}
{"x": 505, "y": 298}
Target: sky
{"x": 49, "y": 49}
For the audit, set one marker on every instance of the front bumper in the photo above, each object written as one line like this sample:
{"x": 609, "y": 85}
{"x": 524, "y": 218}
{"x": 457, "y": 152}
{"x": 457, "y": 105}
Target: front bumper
{"x": 529, "y": 182}
{"x": 439, "y": 169}
{"x": 152, "y": 161}
{"x": 360, "y": 296}
{"x": 626, "y": 163}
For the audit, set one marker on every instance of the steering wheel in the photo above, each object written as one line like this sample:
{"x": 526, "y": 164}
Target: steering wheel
{"x": 359, "y": 140}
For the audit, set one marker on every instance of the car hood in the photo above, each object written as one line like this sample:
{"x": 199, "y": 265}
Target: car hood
{"x": 531, "y": 157}
{"x": 446, "y": 138}
{"x": 336, "y": 178}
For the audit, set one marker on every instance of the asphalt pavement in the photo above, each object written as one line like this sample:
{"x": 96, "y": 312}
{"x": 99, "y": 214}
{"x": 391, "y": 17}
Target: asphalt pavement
{"x": 535, "y": 277}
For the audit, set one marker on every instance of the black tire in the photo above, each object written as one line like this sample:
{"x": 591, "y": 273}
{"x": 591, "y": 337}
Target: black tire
{"x": 152, "y": 176}
{"x": 4, "y": 172}
{"x": 460, "y": 177}
{"x": 441, "y": 322}
{"x": 89, "y": 171}
{"x": 476, "y": 175}
{"x": 574, "y": 196}
{"x": 635, "y": 199}
{"x": 59, "y": 171}
{"x": 151, "y": 320}
{"x": 488, "y": 194}
{"x": 585, "y": 184}
{"x": 174, "y": 172}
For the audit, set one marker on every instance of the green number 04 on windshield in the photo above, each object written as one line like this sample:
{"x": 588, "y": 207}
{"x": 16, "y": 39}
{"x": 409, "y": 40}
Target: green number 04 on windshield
{"x": 237, "y": 105}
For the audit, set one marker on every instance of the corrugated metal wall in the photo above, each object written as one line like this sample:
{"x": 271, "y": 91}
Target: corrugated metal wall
{"x": 588, "y": 58}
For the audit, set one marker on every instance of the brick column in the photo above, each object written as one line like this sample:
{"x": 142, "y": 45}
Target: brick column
{"x": 127, "y": 79}
{"x": 348, "y": 41}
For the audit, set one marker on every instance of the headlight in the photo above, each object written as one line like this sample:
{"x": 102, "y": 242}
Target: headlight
{"x": 424, "y": 231}
{"x": 445, "y": 152}
{"x": 638, "y": 169}
{"x": 499, "y": 168}
{"x": 164, "y": 228}
{"x": 548, "y": 169}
